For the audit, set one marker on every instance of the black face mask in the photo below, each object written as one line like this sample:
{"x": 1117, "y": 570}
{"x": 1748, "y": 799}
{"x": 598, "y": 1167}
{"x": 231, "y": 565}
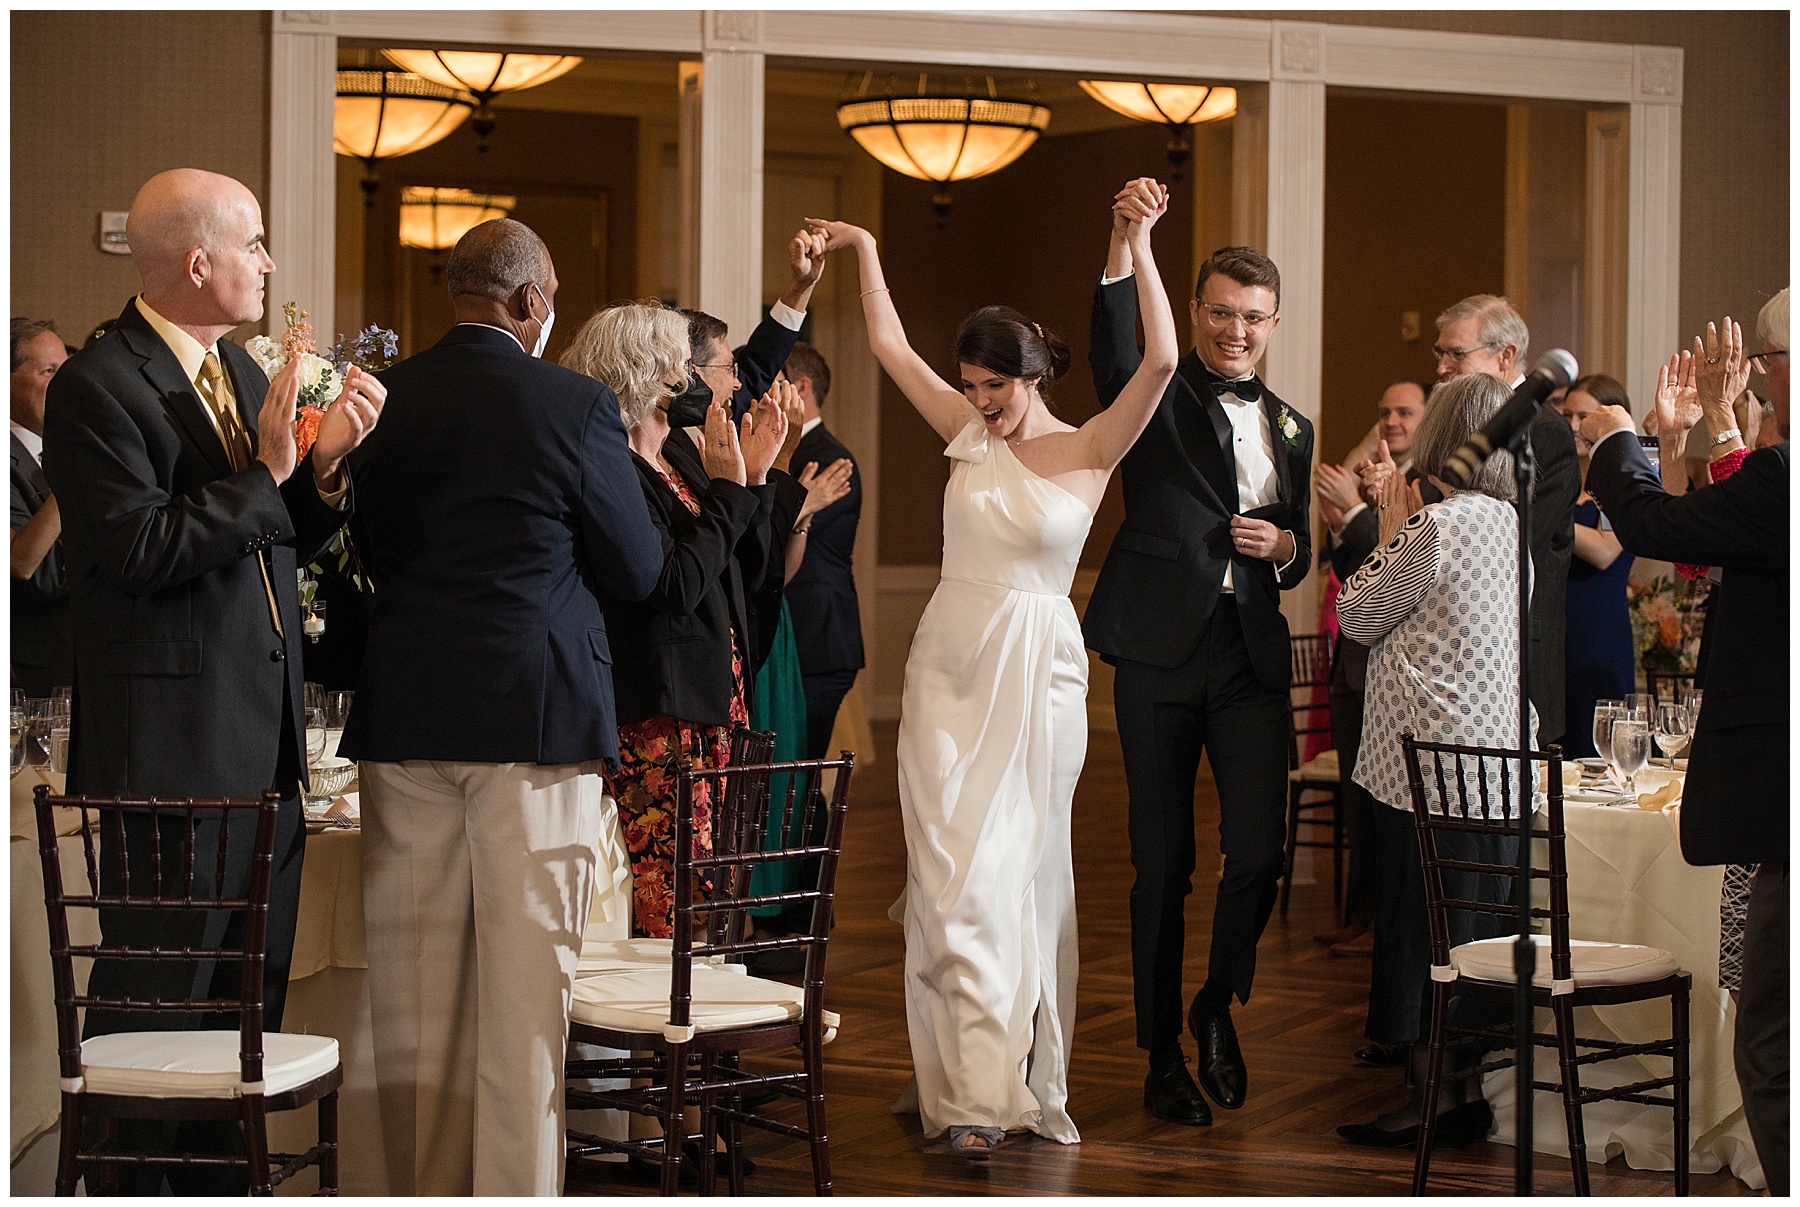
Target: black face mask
{"x": 688, "y": 408}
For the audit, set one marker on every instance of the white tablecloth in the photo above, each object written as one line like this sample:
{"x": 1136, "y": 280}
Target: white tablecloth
{"x": 1629, "y": 884}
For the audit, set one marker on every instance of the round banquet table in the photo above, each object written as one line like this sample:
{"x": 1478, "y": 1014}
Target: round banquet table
{"x": 1629, "y": 884}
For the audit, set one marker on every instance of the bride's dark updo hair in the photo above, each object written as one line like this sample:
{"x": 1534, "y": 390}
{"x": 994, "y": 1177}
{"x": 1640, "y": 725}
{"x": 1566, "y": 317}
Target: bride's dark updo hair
{"x": 1003, "y": 341}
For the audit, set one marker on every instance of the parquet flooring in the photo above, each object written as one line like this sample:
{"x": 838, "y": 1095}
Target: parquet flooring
{"x": 1298, "y": 1031}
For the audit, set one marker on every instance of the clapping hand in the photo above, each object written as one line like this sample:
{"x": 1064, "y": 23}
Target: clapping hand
{"x": 761, "y": 432}
{"x": 719, "y": 451}
{"x": 275, "y": 445}
{"x": 823, "y": 486}
{"x": 347, "y": 423}
{"x": 1336, "y": 488}
{"x": 1676, "y": 409}
{"x": 787, "y": 397}
{"x": 1372, "y": 476}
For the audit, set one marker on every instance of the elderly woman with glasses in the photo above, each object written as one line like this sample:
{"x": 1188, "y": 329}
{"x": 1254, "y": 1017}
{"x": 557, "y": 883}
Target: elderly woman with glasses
{"x": 681, "y": 668}
{"x": 1437, "y": 604}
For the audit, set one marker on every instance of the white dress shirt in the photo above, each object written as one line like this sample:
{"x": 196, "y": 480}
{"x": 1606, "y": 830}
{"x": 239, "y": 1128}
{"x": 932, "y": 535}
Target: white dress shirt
{"x": 34, "y": 443}
{"x": 1253, "y": 452}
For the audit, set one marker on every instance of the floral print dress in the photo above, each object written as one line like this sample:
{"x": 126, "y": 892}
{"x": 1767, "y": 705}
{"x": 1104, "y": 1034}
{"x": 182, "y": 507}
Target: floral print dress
{"x": 651, "y": 755}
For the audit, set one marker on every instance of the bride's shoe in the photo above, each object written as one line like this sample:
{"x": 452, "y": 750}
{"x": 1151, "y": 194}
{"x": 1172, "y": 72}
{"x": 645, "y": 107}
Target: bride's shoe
{"x": 974, "y": 1143}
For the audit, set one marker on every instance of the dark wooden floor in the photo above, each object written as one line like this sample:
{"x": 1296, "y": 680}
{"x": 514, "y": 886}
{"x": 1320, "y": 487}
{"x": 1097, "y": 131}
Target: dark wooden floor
{"x": 1298, "y": 1031}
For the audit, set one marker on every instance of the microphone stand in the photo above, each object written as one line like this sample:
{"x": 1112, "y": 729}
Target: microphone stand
{"x": 1524, "y": 953}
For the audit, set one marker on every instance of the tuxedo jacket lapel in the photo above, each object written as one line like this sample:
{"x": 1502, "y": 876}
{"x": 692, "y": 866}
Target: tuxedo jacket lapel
{"x": 1211, "y": 436}
{"x": 1278, "y": 446}
{"x": 249, "y": 404}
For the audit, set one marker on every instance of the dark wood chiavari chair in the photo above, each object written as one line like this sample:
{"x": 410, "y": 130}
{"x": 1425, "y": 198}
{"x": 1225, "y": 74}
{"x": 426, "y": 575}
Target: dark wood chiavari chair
{"x": 161, "y": 870}
{"x": 686, "y": 1019}
{"x": 1312, "y": 783}
{"x": 1454, "y": 793}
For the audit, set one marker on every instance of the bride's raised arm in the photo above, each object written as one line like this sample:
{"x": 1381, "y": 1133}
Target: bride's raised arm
{"x": 1113, "y": 431}
{"x": 944, "y": 408}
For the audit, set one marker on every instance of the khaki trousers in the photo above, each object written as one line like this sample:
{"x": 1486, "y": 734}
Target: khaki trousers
{"x": 477, "y": 880}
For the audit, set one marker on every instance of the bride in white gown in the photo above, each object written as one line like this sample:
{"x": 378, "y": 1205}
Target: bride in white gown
{"x": 993, "y": 720}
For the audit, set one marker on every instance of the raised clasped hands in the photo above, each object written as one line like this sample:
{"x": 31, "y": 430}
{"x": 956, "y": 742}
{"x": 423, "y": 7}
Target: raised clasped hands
{"x": 347, "y": 423}
{"x": 806, "y": 258}
{"x": 1137, "y": 206}
{"x": 838, "y": 234}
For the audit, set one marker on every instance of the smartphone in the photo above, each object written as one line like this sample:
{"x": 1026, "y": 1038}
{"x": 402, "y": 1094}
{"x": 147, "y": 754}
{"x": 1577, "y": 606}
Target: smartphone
{"x": 1653, "y": 451}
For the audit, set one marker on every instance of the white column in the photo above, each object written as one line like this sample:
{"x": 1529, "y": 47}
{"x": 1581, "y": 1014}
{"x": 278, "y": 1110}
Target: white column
{"x": 1653, "y": 317}
{"x": 1296, "y": 242}
{"x": 301, "y": 219}
{"x": 731, "y": 169}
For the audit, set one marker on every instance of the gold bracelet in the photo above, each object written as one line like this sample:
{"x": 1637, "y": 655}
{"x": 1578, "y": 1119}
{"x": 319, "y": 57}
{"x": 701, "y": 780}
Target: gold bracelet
{"x": 883, "y": 289}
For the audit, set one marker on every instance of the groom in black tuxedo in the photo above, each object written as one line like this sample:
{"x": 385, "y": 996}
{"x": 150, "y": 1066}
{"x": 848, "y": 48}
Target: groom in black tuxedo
{"x": 1188, "y": 610}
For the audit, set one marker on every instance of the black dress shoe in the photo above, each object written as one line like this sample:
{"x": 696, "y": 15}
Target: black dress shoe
{"x": 1173, "y": 1097}
{"x": 1456, "y": 1127}
{"x": 1221, "y": 1064}
{"x": 1384, "y": 1056}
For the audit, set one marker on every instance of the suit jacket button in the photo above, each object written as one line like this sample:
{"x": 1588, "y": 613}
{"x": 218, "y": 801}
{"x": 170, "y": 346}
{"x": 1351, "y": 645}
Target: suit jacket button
{"x": 278, "y": 655}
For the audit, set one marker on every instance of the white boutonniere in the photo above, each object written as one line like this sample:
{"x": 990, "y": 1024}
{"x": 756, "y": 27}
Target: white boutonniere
{"x": 1284, "y": 423}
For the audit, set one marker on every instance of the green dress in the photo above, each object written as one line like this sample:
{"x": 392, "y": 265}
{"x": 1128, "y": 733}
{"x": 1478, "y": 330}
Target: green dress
{"x": 779, "y": 704}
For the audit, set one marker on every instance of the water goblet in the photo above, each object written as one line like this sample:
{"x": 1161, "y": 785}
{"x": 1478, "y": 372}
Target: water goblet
{"x": 59, "y": 749}
{"x": 18, "y": 738}
{"x": 1604, "y": 712}
{"x": 1630, "y": 749}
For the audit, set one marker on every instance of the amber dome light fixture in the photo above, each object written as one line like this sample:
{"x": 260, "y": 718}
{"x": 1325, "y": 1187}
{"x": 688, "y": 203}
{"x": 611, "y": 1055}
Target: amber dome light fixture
{"x": 381, "y": 114}
{"x": 434, "y": 218}
{"x": 484, "y": 74}
{"x": 1176, "y": 106}
{"x": 940, "y": 135}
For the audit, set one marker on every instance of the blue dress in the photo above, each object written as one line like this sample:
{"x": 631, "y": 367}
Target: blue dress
{"x": 1598, "y": 652}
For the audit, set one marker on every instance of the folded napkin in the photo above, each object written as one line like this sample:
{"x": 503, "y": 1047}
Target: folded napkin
{"x": 1662, "y": 798}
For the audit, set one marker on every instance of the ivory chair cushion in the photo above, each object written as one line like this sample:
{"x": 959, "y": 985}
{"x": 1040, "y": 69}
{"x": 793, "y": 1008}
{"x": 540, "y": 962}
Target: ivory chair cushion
{"x": 634, "y": 996}
{"x": 1591, "y": 964}
{"x": 1321, "y": 769}
{"x": 199, "y": 1064}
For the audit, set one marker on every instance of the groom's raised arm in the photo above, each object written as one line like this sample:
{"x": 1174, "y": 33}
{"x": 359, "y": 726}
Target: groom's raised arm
{"x": 1113, "y": 352}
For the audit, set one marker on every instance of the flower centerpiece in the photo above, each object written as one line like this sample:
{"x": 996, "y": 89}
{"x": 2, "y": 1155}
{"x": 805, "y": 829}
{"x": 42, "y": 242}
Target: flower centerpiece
{"x": 1666, "y": 619}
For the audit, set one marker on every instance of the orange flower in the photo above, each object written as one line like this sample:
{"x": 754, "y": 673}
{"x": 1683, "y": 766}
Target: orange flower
{"x": 1670, "y": 631}
{"x": 306, "y": 428}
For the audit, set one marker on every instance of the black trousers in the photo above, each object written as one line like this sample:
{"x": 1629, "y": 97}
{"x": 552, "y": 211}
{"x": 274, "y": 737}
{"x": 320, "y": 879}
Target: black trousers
{"x": 1167, "y": 718}
{"x": 1358, "y": 808}
{"x": 1760, "y": 1048}
{"x": 825, "y": 693}
{"x": 173, "y": 978}
{"x": 1400, "y": 979}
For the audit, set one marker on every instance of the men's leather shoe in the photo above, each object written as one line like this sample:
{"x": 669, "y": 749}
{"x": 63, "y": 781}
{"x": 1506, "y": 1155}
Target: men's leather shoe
{"x": 1221, "y": 1064}
{"x": 1173, "y": 1097}
{"x": 1384, "y": 1056}
{"x": 1456, "y": 1127}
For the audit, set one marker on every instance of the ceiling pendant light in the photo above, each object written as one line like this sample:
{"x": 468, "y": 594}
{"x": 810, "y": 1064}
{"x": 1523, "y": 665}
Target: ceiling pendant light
{"x": 434, "y": 218}
{"x": 1176, "y": 106}
{"x": 941, "y": 135}
{"x": 381, "y": 114}
{"x": 484, "y": 75}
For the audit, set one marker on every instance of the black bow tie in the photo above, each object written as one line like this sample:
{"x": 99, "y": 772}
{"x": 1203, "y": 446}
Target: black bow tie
{"x": 1250, "y": 389}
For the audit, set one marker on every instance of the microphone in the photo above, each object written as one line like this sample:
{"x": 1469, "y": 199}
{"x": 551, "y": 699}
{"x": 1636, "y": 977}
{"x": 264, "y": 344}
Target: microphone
{"x": 1555, "y": 369}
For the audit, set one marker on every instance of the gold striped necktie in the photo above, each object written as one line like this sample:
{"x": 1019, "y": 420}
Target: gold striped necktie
{"x": 216, "y": 390}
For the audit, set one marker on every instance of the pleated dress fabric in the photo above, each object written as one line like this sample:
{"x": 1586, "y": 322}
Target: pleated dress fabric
{"x": 993, "y": 732}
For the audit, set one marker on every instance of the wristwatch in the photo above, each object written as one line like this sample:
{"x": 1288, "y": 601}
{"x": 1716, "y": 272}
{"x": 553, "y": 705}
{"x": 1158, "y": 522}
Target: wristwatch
{"x": 1729, "y": 433}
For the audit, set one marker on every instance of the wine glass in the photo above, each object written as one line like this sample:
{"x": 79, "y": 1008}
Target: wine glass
{"x": 18, "y": 737}
{"x": 1691, "y": 698}
{"x": 59, "y": 748}
{"x": 1630, "y": 749}
{"x": 337, "y": 709}
{"x": 315, "y": 743}
{"x": 1672, "y": 729}
{"x": 41, "y": 716}
{"x": 313, "y": 695}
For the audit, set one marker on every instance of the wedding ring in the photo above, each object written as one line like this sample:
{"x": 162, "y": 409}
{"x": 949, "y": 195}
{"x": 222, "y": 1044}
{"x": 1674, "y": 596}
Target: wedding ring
{"x": 1712, "y": 360}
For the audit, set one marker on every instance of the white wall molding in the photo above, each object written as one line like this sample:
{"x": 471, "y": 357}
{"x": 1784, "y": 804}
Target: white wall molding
{"x": 1656, "y": 74}
{"x": 1369, "y": 56}
{"x": 301, "y": 221}
{"x": 667, "y": 31}
{"x": 1653, "y": 258}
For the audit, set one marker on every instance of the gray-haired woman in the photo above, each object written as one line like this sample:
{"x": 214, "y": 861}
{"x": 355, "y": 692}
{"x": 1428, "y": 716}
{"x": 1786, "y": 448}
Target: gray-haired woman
{"x": 1438, "y": 606}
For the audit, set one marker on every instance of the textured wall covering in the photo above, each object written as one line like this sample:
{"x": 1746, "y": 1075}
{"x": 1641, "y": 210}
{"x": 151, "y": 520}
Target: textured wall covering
{"x": 101, "y": 101}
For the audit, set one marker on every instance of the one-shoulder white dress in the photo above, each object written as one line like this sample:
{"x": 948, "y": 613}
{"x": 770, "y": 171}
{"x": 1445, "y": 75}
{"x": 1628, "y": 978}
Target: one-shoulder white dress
{"x": 993, "y": 732}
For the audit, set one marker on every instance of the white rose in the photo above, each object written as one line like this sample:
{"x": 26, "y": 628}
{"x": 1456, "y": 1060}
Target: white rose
{"x": 314, "y": 371}
{"x": 266, "y": 353}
